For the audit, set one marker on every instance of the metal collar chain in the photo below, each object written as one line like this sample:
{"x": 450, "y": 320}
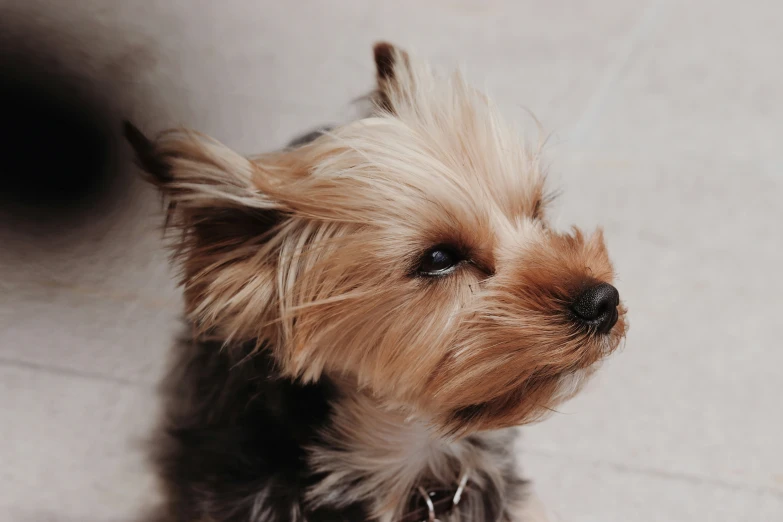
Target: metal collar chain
{"x": 437, "y": 502}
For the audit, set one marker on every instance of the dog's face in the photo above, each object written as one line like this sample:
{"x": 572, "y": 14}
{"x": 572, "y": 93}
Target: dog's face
{"x": 407, "y": 253}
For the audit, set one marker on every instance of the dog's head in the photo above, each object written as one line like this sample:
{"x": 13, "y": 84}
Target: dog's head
{"x": 407, "y": 252}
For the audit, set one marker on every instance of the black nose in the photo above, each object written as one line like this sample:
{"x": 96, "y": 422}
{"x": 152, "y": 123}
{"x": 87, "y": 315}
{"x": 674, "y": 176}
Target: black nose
{"x": 597, "y": 306}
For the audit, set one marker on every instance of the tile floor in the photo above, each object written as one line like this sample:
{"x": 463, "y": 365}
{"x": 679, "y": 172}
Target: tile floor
{"x": 666, "y": 121}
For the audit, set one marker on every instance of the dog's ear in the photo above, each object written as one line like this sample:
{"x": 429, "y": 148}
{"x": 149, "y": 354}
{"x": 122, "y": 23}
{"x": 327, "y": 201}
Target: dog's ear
{"x": 212, "y": 192}
{"x": 393, "y": 73}
{"x": 198, "y": 173}
{"x": 216, "y": 200}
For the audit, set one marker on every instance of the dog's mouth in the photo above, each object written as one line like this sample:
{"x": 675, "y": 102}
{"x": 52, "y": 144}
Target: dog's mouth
{"x": 525, "y": 404}
{"x": 513, "y": 408}
{"x": 557, "y": 379}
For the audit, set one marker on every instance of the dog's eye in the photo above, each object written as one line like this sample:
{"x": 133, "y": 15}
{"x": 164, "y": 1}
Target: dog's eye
{"x": 438, "y": 261}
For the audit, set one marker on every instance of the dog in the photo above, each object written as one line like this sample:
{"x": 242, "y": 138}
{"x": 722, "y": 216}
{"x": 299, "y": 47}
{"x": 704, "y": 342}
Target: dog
{"x": 371, "y": 312}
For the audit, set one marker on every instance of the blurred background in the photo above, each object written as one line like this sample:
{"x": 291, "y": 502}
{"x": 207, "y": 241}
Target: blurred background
{"x": 666, "y": 119}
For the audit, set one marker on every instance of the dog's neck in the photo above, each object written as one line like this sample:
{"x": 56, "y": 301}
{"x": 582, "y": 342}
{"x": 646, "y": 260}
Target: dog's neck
{"x": 373, "y": 455}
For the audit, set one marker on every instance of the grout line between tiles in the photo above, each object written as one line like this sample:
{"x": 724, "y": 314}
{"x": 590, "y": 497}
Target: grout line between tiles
{"x": 70, "y": 372}
{"x": 614, "y": 72}
{"x": 691, "y": 478}
{"x": 113, "y": 294}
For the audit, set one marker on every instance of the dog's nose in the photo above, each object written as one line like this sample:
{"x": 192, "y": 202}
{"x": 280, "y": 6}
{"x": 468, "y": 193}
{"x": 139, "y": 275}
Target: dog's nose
{"x": 597, "y": 306}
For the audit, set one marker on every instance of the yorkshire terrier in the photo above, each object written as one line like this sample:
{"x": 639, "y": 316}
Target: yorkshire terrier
{"x": 373, "y": 309}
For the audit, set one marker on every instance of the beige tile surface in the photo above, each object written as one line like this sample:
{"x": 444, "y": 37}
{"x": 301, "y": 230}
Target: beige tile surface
{"x": 89, "y": 330}
{"x": 597, "y": 491}
{"x": 71, "y": 447}
{"x": 665, "y": 120}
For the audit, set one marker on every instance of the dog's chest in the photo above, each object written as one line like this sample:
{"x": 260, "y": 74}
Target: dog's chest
{"x": 400, "y": 472}
{"x": 243, "y": 444}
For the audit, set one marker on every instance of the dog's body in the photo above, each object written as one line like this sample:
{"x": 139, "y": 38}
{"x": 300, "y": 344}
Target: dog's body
{"x": 242, "y": 443}
{"x": 373, "y": 308}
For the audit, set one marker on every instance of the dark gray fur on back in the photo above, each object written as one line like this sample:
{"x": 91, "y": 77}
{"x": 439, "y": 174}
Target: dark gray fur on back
{"x": 310, "y": 136}
{"x": 230, "y": 447}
